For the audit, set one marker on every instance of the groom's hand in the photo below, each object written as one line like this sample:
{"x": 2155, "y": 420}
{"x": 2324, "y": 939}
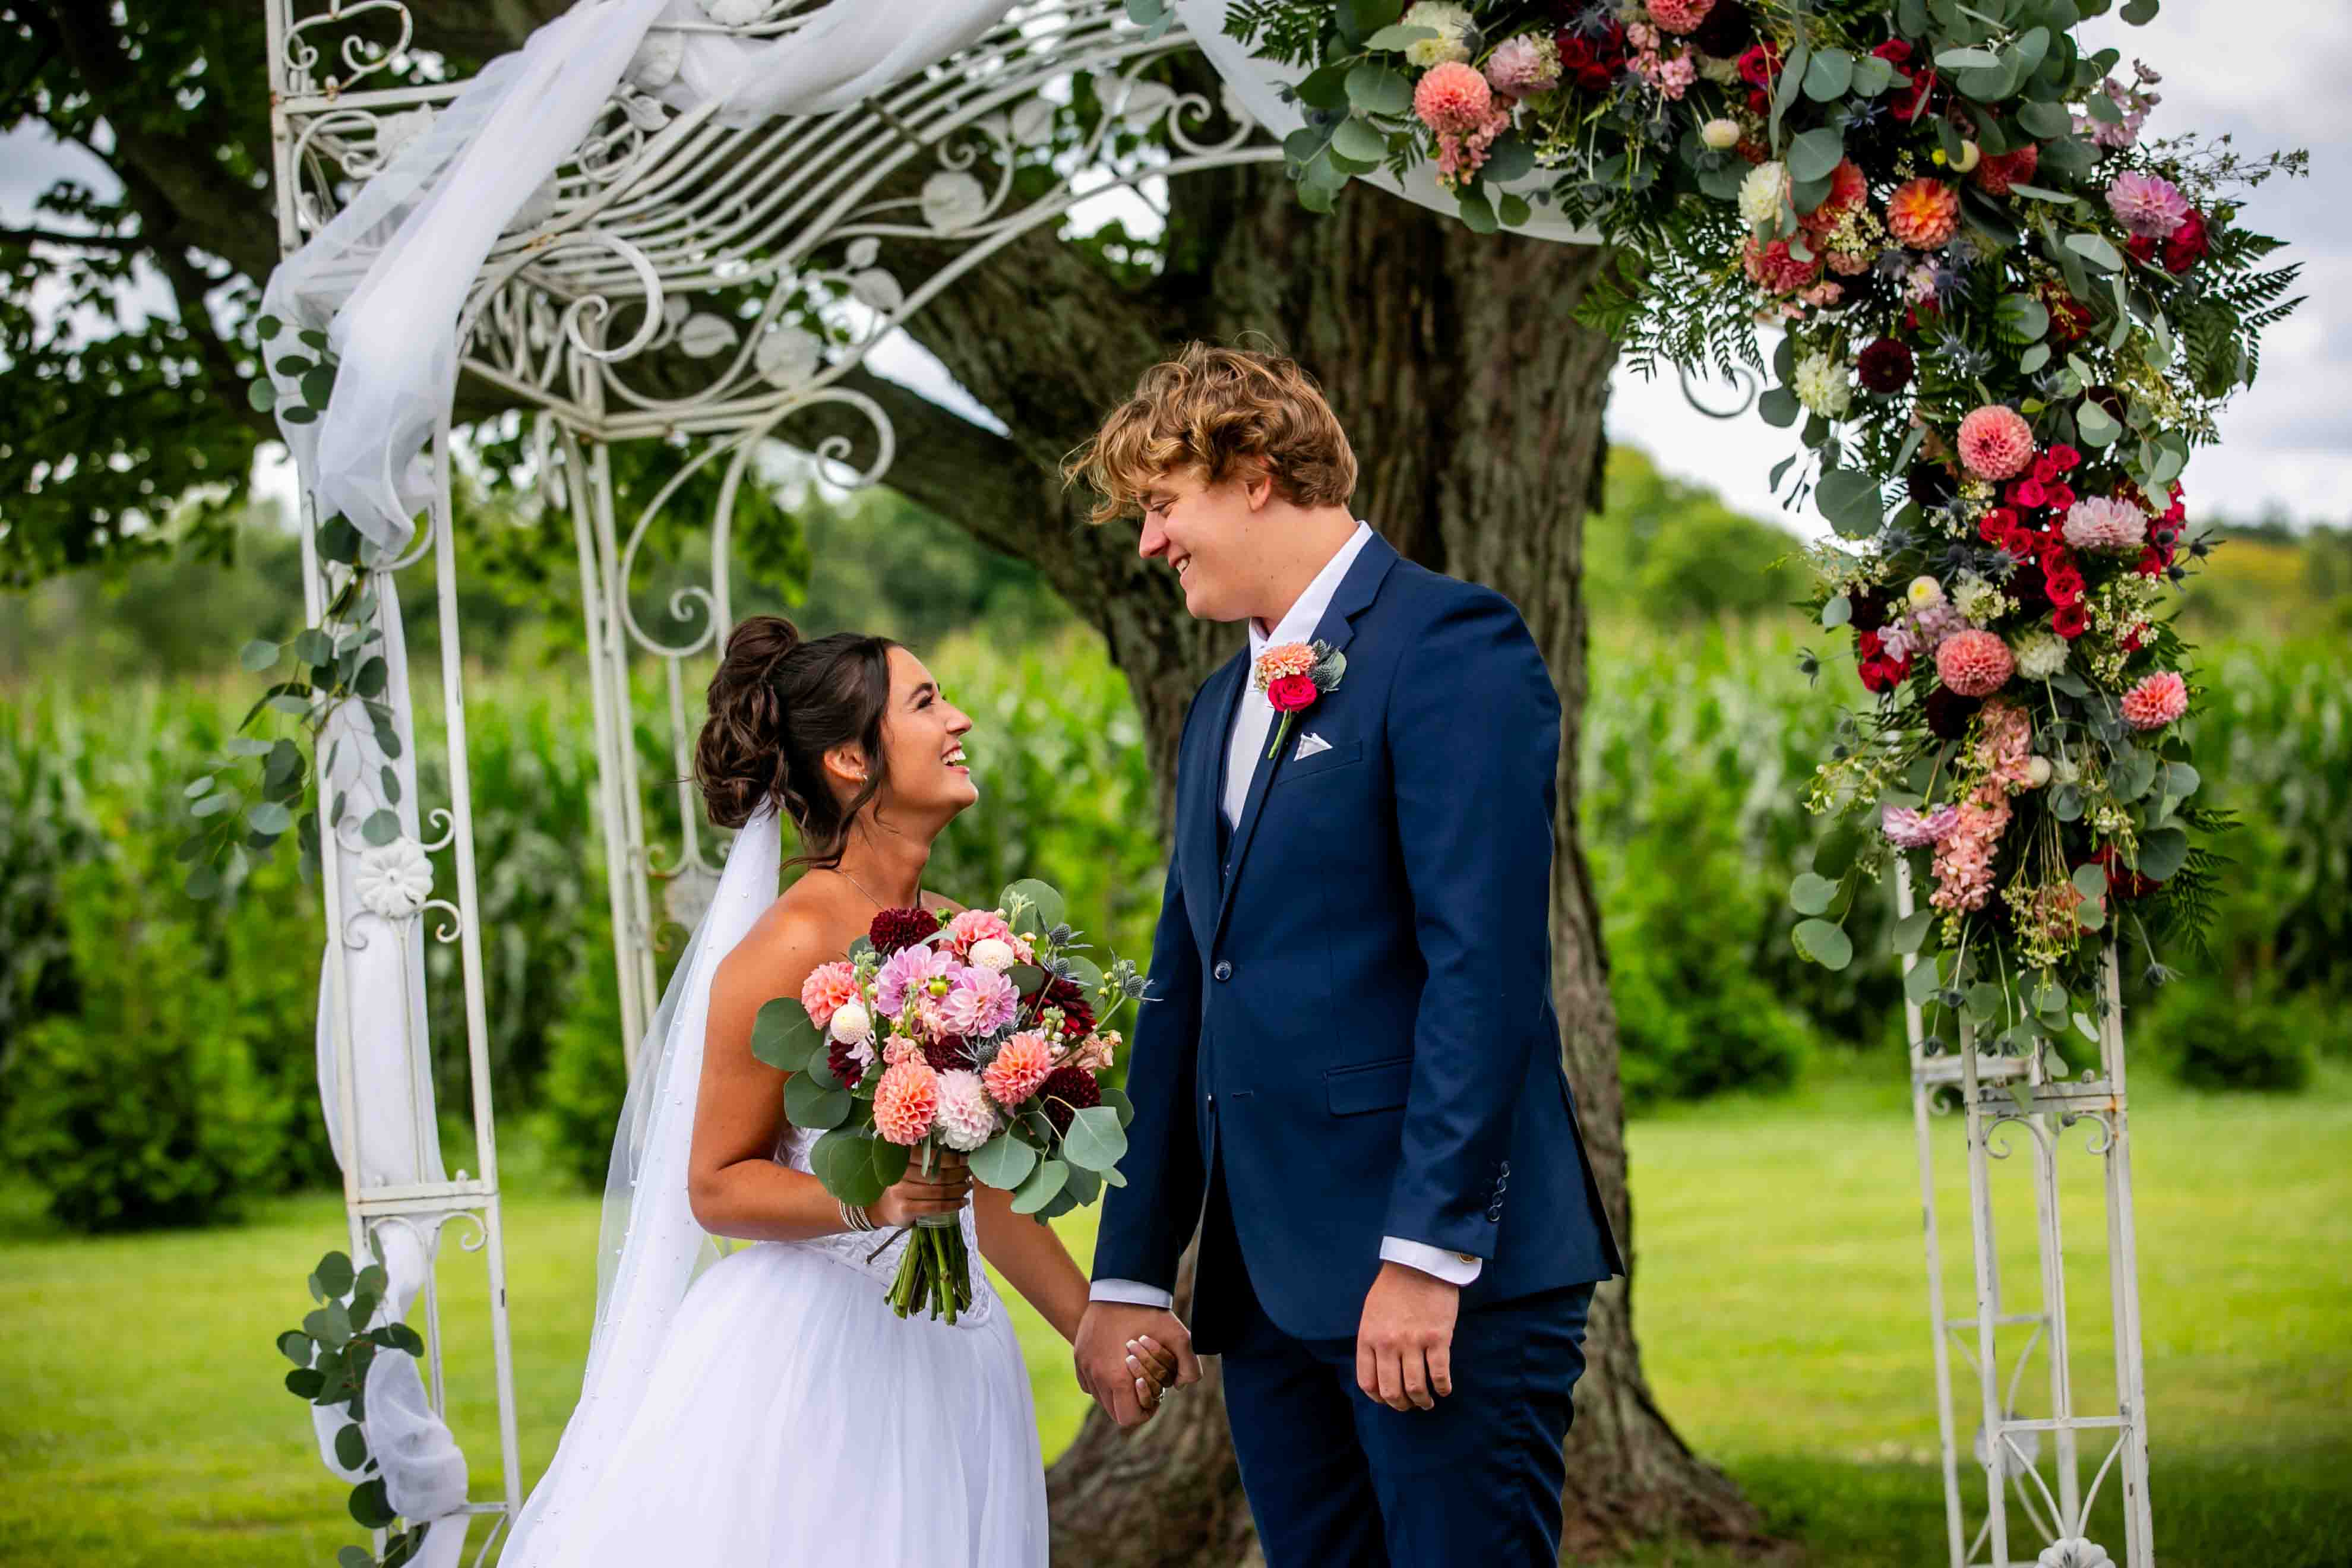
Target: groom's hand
{"x": 1101, "y": 1354}
{"x": 1404, "y": 1345}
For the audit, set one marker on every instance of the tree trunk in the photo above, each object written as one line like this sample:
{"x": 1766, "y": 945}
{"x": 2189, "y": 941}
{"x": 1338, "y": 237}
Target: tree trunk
{"x": 1475, "y": 405}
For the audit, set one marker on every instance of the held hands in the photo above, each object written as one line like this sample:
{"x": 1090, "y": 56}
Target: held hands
{"x": 1128, "y": 1356}
{"x": 943, "y": 1191}
{"x": 1404, "y": 1345}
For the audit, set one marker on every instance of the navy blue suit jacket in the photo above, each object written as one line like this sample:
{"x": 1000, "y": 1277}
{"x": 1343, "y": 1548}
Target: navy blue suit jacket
{"x": 1352, "y": 1027}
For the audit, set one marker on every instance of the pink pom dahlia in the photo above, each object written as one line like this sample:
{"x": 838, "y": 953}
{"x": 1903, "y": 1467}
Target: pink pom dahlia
{"x": 2156, "y": 702}
{"x": 906, "y": 1102}
{"x": 1453, "y": 97}
{"x": 1974, "y": 663}
{"x": 1679, "y": 16}
{"x": 1019, "y": 1068}
{"x": 826, "y": 988}
{"x": 1996, "y": 443}
{"x": 2147, "y": 205}
{"x": 2104, "y": 522}
{"x": 1923, "y": 213}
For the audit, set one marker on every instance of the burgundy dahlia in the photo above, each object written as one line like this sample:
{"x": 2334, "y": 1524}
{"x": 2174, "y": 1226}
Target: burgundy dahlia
{"x": 895, "y": 930}
{"x": 1948, "y": 713}
{"x": 1065, "y": 1093}
{"x": 1931, "y": 485}
{"x": 844, "y": 1064}
{"x": 952, "y": 1054}
{"x": 1728, "y": 28}
{"x": 1884, "y": 366}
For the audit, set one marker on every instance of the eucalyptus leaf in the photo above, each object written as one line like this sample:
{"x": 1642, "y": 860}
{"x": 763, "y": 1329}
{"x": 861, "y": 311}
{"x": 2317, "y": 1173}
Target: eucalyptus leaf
{"x": 1824, "y": 944}
{"x": 855, "y": 1166}
{"x": 1095, "y": 1141}
{"x": 2090, "y": 880}
{"x": 811, "y": 1104}
{"x": 1376, "y": 88}
{"x": 1829, "y": 75}
{"x": 2095, "y": 249}
{"x": 784, "y": 1036}
{"x": 1815, "y": 154}
{"x": 1396, "y": 35}
{"x": 1778, "y": 406}
{"x": 1004, "y": 1162}
{"x": 1911, "y": 931}
{"x": 1837, "y": 611}
{"x": 1920, "y": 982}
{"x": 1850, "y": 500}
{"x": 1034, "y": 906}
{"x": 1118, "y": 1101}
{"x": 1044, "y": 1185}
{"x": 1812, "y": 893}
{"x": 2162, "y": 853}
{"x": 1510, "y": 158}
{"x": 1984, "y": 1002}
{"x": 1478, "y": 213}
{"x": 1357, "y": 140}
{"x": 2095, "y": 425}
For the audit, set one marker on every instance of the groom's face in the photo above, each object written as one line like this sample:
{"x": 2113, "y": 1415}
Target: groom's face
{"x": 1211, "y": 537}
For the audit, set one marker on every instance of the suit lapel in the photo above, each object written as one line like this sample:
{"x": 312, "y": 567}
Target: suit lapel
{"x": 1199, "y": 795}
{"x": 1357, "y": 590}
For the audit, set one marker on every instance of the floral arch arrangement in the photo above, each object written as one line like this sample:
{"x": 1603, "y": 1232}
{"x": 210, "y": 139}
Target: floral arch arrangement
{"x": 2006, "y": 321}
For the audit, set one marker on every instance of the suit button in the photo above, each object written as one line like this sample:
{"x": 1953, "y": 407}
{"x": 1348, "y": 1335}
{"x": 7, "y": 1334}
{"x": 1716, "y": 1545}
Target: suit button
{"x": 1212, "y": 1102}
{"x": 1224, "y": 970}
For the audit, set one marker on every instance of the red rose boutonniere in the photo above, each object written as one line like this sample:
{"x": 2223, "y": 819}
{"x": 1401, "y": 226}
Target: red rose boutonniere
{"x": 1294, "y": 675}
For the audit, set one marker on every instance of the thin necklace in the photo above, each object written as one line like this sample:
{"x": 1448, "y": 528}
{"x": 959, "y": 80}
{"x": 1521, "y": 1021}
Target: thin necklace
{"x": 854, "y": 882}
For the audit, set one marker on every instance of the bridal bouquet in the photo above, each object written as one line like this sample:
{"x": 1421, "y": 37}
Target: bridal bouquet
{"x": 985, "y": 1035}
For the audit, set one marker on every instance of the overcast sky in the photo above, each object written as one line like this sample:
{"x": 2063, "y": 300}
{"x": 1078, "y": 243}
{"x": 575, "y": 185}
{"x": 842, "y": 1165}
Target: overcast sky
{"x": 2280, "y": 82}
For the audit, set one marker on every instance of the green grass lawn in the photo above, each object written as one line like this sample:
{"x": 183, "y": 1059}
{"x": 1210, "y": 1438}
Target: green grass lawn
{"x": 1781, "y": 1310}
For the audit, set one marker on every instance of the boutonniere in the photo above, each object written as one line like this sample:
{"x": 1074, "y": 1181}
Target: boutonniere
{"x": 1294, "y": 675}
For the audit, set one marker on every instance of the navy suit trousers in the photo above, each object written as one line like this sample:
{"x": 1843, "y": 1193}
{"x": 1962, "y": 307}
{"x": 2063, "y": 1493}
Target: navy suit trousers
{"x": 1336, "y": 1479}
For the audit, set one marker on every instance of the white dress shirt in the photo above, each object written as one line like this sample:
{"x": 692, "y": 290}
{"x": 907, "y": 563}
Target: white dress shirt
{"x": 1254, "y": 718}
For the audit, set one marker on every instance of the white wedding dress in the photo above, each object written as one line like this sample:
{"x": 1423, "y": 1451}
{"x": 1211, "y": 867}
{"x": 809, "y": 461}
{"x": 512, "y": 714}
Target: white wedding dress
{"x": 768, "y": 1409}
{"x": 794, "y": 1419}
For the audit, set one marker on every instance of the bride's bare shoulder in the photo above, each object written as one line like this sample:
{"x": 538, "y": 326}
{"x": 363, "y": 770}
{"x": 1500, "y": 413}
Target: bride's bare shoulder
{"x": 791, "y": 938}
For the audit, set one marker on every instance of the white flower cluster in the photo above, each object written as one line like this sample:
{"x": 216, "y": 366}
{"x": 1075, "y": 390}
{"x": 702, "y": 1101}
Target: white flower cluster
{"x": 2040, "y": 653}
{"x": 1980, "y": 602}
{"x": 1760, "y": 193}
{"x": 1458, "y": 35}
{"x": 1822, "y": 385}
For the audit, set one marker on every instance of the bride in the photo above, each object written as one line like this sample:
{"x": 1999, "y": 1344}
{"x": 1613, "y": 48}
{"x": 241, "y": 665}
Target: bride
{"x": 769, "y": 1409}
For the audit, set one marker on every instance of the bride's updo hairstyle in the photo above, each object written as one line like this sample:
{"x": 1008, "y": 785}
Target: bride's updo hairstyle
{"x": 778, "y": 704}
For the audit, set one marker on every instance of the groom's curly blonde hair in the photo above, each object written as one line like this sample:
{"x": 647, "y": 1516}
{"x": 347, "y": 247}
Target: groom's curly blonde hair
{"x": 1215, "y": 412}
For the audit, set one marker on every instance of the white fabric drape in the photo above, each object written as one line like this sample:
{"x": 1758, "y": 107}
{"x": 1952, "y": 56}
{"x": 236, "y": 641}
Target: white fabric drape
{"x": 1257, "y": 83}
{"x": 388, "y": 277}
{"x": 398, "y": 1135}
{"x": 652, "y": 1248}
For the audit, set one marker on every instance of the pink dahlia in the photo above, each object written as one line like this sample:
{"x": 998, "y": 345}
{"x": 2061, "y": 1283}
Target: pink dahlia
{"x": 2156, "y": 702}
{"x": 826, "y": 988}
{"x": 2104, "y": 522}
{"x": 1453, "y": 97}
{"x": 2147, "y": 205}
{"x": 1996, "y": 443}
{"x": 966, "y": 1120}
{"x": 1679, "y": 16}
{"x": 1974, "y": 663}
{"x": 1019, "y": 1068}
{"x": 980, "y": 1002}
{"x": 1910, "y": 829}
{"x": 1527, "y": 63}
{"x": 906, "y": 1102}
{"x": 1772, "y": 269}
{"x": 908, "y": 972}
{"x": 1923, "y": 213}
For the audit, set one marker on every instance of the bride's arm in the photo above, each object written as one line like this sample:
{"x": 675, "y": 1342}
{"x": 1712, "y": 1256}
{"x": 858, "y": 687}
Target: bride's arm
{"x": 1032, "y": 1260}
{"x": 734, "y": 1183}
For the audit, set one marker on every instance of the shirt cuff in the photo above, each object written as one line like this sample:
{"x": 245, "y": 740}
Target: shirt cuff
{"x": 1131, "y": 1292}
{"x": 1453, "y": 1267}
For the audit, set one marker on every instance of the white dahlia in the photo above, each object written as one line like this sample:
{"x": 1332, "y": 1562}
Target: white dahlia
{"x": 1822, "y": 385}
{"x": 2040, "y": 653}
{"x": 1458, "y": 35}
{"x": 966, "y": 1118}
{"x": 1761, "y": 193}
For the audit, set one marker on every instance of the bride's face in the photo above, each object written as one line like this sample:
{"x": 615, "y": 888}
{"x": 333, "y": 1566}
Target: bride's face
{"x": 922, "y": 740}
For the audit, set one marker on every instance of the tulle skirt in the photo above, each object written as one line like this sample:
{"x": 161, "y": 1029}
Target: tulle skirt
{"x": 795, "y": 1420}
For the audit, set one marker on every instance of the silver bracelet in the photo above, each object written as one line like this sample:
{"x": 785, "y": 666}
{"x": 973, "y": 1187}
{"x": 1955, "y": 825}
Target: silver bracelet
{"x": 854, "y": 1216}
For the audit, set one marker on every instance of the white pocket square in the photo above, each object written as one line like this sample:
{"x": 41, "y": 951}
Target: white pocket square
{"x": 1308, "y": 744}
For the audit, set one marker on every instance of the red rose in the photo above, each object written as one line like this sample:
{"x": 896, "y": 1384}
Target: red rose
{"x": 2141, "y": 248}
{"x": 1292, "y": 693}
{"x": 1760, "y": 65}
{"x": 2058, "y": 498}
{"x": 2189, "y": 244}
{"x": 2126, "y": 882}
{"x": 2064, "y": 585}
{"x": 2065, "y": 457}
{"x": 2154, "y": 560}
{"x": 2070, "y": 320}
{"x": 1884, "y": 674}
{"x": 1998, "y": 525}
{"x": 2027, "y": 493}
{"x": 2070, "y": 621}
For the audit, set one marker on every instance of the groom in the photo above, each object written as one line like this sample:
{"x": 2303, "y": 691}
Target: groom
{"x": 1349, "y": 1081}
